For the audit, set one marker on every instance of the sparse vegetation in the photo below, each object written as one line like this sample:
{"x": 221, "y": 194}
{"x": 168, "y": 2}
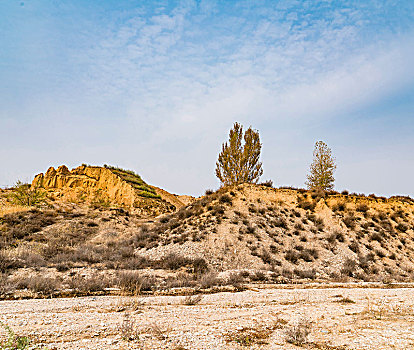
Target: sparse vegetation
{"x": 299, "y": 332}
{"x": 27, "y": 195}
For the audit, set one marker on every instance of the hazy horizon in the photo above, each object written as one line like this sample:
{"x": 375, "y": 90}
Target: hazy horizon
{"x": 156, "y": 86}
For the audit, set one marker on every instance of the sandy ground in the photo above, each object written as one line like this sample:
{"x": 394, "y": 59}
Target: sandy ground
{"x": 372, "y": 318}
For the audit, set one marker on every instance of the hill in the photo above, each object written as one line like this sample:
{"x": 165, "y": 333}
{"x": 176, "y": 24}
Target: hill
{"x": 242, "y": 234}
{"x": 104, "y": 186}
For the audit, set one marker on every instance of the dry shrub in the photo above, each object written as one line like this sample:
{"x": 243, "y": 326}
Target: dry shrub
{"x": 128, "y": 329}
{"x": 298, "y": 333}
{"x": 363, "y": 207}
{"x": 6, "y": 286}
{"x": 94, "y": 283}
{"x": 311, "y": 273}
{"x": 133, "y": 282}
{"x": 348, "y": 267}
{"x": 209, "y": 280}
{"x": 225, "y": 199}
{"x": 339, "y": 206}
{"x": 236, "y": 280}
{"x": 192, "y": 299}
{"x": 37, "y": 284}
{"x": 349, "y": 221}
{"x": 306, "y": 205}
{"x": 258, "y": 334}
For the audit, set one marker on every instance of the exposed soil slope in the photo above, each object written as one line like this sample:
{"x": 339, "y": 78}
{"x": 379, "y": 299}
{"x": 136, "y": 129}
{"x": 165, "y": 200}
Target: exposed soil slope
{"x": 102, "y": 186}
{"x": 293, "y": 232}
{"x": 239, "y": 234}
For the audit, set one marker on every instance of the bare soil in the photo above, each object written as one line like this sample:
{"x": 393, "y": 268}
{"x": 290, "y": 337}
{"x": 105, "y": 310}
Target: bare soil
{"x": 352, "y": 316}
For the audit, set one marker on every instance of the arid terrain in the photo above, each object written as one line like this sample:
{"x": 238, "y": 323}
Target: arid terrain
{"x": 107, "y": 261}
{"x": 336, "y": 318}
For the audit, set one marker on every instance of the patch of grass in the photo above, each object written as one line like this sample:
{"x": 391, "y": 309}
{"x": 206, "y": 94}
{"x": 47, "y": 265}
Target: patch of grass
{"x": 15, "y": 342}
{"x": 143, "y": 189}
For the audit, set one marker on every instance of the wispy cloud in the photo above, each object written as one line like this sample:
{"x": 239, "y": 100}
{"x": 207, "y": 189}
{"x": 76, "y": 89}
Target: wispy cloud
{"x": 171, "y": 80}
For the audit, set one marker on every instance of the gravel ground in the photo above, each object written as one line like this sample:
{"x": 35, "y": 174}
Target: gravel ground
{"x": 339, "y": 318}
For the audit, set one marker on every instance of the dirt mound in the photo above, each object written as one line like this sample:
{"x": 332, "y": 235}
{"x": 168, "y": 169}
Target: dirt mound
{"x": 293, "y": 232}
{"x": 105, "y": 186}
{"x": 246, "y": 233}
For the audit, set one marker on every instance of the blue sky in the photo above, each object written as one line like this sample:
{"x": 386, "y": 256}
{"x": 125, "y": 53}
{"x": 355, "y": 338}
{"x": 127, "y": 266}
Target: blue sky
{"x": 155, "y": 86}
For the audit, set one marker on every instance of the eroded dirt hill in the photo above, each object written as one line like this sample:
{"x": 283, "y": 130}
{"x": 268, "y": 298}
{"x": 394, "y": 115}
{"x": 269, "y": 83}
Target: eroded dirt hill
{"x": 292, "y": 232}
{"x": 235, "y": 235}
{"x": 106, "y": 186}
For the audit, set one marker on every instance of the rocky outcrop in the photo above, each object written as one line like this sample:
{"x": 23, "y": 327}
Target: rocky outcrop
{"x": 102, "y": 186}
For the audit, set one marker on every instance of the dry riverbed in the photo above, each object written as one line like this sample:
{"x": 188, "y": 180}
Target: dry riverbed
{"x": 336, "y": 318}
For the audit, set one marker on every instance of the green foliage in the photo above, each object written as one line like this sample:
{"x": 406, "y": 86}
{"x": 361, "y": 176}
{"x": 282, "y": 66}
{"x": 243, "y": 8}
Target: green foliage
{"x": 239, "y": 163}
{"x": 14, "y": 342}
{"x": 322, "y": 168}
{"x": 144, "y": 190}
{"x": 27, "y": 195}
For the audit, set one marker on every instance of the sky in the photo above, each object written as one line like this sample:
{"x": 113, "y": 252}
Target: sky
{"x": 155, "y": 86}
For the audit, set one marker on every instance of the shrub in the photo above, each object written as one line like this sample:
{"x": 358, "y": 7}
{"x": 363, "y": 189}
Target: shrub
{"x": 298, "y": 333}
{"x": 354, "y": 246}
{"x": 133, "y": 282}
{"x": 311, "y": 274}
{"x": 209, "y": 280}
{"x": 27, "y": 195}
{"x": 309, "y": 254}
{"x": 336, "y": 236}
{"x": 225, "y": 198}
{"x": 192, "y": 299}
{"x": 38, "y": 284}
{"x": 127, "y": 329}
{"x": 15, "y": 342}
{"x": 280, "y": 222}
{"x": 349, "y": 221}
{"x": 402, "y": 227}
{"x": 362, "y": 207}
{"x": 306, "y": 205}
{"x": 292, "y": 256}
{"x": 348, "y": 267}
{"x": 268, "y": 183}
{"x": 90, "y": 284}
{"x": 340, "y": 206}
{"x": 376, "y": 236}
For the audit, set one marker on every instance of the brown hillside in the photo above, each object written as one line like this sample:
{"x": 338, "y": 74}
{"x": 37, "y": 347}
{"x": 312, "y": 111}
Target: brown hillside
{"x": 289, "y": 231}
{"x": 104, "y": 186}
{"x": 239, "y": 234}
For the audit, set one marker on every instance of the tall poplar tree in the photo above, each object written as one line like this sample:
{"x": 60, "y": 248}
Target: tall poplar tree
{"x": 321, "y": 174}
{"x": 238, "y": 162}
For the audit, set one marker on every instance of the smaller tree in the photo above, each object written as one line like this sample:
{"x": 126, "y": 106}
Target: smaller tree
{"x": 27, "y": 195}
{"x": 239, "y": 163}
{"x": 321, "y": 175}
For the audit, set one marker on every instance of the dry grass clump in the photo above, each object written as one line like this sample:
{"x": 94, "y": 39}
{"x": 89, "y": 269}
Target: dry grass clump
{"x": 349, "y": 221}
{"x": 192, "y": 299}
{"x": 94, "y": 283}
{"x": 37, "y": 284}
{"x": 258, "y": 334}
{"x": 299, "y": 332}
{"x": 128, "y": 329}
{"x": 134, "y": 282}
{"x": 362, "y": 207}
